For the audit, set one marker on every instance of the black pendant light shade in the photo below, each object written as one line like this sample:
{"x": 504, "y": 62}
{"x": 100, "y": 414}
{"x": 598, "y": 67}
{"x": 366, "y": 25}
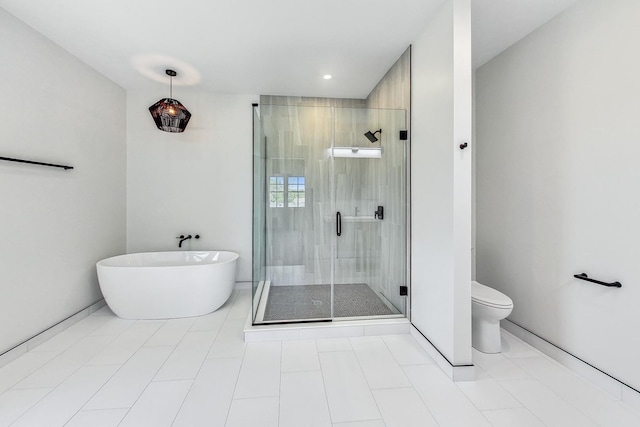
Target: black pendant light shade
{"x": 168, "y": 113}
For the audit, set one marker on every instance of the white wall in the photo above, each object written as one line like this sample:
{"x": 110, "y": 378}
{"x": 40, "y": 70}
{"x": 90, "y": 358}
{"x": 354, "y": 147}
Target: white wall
{"x": 55, "y": 224}
{"x": 198, "y": 181}
{"x": 441, "y": 182}
{"x": 558, "y": 180}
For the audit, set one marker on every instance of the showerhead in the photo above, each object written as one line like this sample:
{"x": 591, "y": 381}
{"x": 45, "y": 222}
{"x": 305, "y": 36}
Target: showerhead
{"x": 372, "y": 136}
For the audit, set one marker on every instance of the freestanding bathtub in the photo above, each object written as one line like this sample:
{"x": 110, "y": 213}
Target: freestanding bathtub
{"x": 163, "y": 285}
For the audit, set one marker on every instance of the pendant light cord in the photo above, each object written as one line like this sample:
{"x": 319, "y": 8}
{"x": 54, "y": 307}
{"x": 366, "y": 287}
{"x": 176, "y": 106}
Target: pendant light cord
{"x": 171, "y": 87}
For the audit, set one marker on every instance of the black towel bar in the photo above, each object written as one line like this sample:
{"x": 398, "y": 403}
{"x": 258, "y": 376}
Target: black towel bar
{"x": 583, "y": 276}
{"x": 9, "y": 159}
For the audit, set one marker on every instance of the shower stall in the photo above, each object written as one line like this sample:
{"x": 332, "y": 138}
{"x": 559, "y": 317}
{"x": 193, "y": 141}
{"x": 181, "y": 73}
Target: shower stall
{"x": 330, "y": 213}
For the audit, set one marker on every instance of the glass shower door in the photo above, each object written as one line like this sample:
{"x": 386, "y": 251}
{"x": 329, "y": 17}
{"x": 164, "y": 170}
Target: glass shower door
{"x": 371, "y": 213}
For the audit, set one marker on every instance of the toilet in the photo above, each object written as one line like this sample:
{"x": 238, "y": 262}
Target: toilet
{"x": 488, "y": 307}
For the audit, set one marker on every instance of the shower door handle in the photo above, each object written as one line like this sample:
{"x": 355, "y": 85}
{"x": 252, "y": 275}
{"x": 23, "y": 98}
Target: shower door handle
{"x": 338, "y": 223}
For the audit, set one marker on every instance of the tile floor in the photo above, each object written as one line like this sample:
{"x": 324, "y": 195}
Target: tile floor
{"x": 106, "y": 371}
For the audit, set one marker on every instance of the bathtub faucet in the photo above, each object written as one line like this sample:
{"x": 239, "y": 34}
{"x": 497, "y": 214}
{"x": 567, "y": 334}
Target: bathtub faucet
{"x": 183, "y": 238}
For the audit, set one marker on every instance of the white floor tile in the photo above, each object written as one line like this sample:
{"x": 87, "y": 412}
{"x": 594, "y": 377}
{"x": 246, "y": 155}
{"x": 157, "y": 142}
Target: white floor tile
{"x": 262, "y": 411}
{"x": 113, "y": 326}
{"x": 593, "y": 402}
{"x": 406, "y": 350}
{"x": 348, "y": 393}
{"x": 158, "y": 405}
{"x": 334, "y": 344}
{"x": 368, "y": 423}
{"x": 514, "y": 417}
{"x": 186, "y": 360}
{"x": 73, "y": 334}
{"x": 100, "y": 369}
{"x": 98, "y": 418}
{"x": 498, "y": 367}
{"x": 546, "y": 405}
{"x": 488, "y": 394}
{"x": 300, "y": 355}
{"x": 260, "y": 371}
{"x": 125, "y": 344}
{"x": 447, "y": 403}
{"x": 171, "y": 332}
{"x": 402, "y": 407}
{"x": 229, "y": 341}
{"x": 211, "y": 322}
{"x": 124, "y": 388}
{"x": 25, "y": 365}
{"x": 209, "y": 399}
{"x": 513, "y": 347}
{"x": 56, "y": 408}
{"x": 66, "y": 363}
{"x": 283, "y": 334}
{"x": 378, "y": 364}
{"x": 303, "y": 401}
{"x": 241, "y": 305}
{"x": 14, "y": 403}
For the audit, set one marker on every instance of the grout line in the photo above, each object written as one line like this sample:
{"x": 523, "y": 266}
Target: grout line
{"x": 34, "y": 404}
{"x": 279, "y": 385}
{"x": 324, "y": 385}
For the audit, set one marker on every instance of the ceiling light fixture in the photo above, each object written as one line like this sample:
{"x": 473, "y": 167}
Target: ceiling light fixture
{"x": 327, "y": 76}
{"x": 168, "y": 113}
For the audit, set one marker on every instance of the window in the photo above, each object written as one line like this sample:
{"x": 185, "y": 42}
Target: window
{"x": 295, "y": 189}
{"x": 292, "y": 195}
{"x": 276, "y": 191}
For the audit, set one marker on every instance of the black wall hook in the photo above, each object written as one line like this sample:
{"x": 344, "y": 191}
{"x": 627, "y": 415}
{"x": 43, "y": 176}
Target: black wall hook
{"x": 463, "y": 145}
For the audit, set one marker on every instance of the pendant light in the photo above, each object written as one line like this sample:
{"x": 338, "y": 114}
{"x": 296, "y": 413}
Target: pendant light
{"x": 168, "y": 113}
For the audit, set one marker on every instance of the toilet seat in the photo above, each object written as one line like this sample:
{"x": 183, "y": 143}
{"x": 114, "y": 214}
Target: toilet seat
{"x": 489, "y": 297}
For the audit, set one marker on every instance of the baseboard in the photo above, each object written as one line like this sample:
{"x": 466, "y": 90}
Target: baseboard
{"x": 599, "y": 378}
{"x": 17, "y": 351}
{"x": 242, "y": 285}
{"x": 456, "y": 373}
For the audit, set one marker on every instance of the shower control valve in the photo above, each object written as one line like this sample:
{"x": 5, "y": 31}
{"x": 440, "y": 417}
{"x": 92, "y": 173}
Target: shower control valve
{"x": 379, "y": 213}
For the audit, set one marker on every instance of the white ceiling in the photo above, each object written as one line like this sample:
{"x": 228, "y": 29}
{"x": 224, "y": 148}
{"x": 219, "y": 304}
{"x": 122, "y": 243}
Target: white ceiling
{"x": 280, "y": 47}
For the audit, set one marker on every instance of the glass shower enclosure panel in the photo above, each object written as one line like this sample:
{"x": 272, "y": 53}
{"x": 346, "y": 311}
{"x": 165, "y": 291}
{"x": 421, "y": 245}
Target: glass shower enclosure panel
{"x": 298, "y": 214}
{"x": 330, "y": 213}
{"x": 259, "y": 210}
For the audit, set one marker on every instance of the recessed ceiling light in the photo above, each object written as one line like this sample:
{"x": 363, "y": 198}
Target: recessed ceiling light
{"x": 327, "y": 76}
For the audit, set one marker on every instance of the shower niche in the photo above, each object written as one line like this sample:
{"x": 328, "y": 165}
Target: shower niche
{"x": 330, "y": 211}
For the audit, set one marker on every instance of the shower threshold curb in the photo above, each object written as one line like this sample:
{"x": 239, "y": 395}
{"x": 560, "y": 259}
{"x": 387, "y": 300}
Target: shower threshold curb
{"x": 317, "y": 330}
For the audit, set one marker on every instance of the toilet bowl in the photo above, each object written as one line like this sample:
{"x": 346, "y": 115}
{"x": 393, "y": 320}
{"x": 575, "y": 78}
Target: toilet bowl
{"x": 488, "y": 307}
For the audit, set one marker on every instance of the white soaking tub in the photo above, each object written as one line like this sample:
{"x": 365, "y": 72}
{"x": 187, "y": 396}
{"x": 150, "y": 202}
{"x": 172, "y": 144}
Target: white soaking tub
{"x": 163, "y": 285}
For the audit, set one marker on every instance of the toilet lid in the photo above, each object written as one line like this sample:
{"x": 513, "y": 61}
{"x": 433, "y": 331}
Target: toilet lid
{"x": 488, "y": 296}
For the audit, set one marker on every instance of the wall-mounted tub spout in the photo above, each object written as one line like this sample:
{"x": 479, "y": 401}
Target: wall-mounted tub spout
{"x": 182, "y": 238}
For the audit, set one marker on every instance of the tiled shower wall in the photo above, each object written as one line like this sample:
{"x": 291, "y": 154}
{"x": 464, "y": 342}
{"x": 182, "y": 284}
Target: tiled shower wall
{"x": 394, "y": 92}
